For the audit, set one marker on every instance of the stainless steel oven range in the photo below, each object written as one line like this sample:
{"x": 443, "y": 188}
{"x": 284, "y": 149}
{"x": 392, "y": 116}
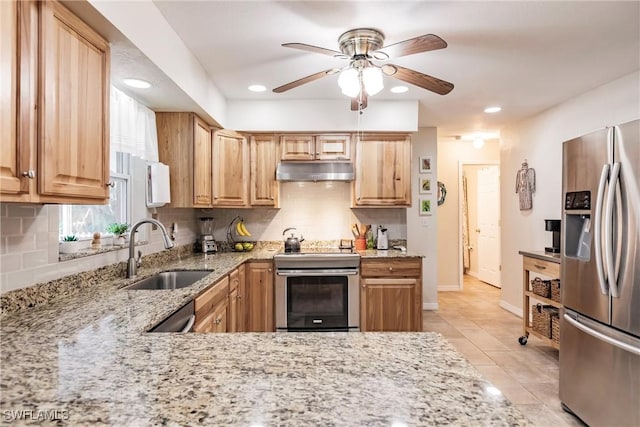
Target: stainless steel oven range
{"x": 317, "y": 291}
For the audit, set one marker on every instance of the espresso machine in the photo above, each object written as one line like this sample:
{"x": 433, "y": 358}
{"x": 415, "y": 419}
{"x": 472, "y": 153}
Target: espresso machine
{"x": 206, "y": 243}
{"x": 553, "y": 225}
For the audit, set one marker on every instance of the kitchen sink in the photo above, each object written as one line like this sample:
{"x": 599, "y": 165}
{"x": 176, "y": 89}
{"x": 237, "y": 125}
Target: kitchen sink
{"x": 169, "y": 280}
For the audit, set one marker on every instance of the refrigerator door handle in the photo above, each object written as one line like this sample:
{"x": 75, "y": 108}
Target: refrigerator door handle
{"x": 602, "y": 337}
{"x": 602, "y": 279}
{"x": 608, "y": 231}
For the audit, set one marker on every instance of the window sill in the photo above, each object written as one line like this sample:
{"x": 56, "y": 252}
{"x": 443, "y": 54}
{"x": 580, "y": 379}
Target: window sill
{"x": 85, "y": 252}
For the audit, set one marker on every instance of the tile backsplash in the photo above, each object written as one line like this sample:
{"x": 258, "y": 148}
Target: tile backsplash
{"x": 318, "y": 211}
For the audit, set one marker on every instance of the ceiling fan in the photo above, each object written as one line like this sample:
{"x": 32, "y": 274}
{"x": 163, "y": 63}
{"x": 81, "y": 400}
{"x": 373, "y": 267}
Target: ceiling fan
{"x": 362, "y": 78}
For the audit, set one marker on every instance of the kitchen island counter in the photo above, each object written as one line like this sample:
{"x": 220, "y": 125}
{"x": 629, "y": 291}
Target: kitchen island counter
{"x": 102, "y": 376}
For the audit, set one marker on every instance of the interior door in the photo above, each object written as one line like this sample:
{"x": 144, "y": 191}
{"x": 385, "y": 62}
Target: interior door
{"x": 489, "y": 225}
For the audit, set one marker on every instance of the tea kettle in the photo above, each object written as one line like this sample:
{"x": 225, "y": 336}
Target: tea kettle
{"x": 383, "y": 238}
{"x": 292, "y": 243}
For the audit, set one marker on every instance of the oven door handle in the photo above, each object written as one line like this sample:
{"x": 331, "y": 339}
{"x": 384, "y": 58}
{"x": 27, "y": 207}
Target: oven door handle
{"x": 317, "y": 273}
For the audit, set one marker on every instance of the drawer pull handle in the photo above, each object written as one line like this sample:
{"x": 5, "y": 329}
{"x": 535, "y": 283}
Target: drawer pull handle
{"x": 541, "y": 267}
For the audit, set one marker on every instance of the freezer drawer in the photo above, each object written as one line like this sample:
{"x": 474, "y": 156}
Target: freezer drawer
{"x": 599, "y": 382}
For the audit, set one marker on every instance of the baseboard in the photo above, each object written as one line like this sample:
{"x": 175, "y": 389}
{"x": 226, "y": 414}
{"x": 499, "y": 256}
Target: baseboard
{"x": 429, "y": 305}
{"x": 511, "y": 308}
{"x": 448, "y": 288}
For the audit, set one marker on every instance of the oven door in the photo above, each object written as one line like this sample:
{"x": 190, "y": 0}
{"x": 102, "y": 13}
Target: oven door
{"x": 316, "y": 300}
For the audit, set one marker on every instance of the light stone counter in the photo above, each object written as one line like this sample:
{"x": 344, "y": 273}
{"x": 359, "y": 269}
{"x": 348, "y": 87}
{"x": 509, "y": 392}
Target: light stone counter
{"x": 87, "y": 360}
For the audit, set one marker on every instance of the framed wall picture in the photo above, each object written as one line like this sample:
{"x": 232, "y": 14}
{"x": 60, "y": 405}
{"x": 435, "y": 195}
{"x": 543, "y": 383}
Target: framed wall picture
{"x": 425, "y": 185}
{"x": 424, "y": 206}
{"x": 425, "y": 164}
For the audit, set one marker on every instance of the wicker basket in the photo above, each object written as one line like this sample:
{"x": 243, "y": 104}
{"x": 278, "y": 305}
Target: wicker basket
{"x": 541, "y": 318}
{"x": 555, "y": 328}
{"x": 541, "y": 287}
{"x": 555, "y": 290}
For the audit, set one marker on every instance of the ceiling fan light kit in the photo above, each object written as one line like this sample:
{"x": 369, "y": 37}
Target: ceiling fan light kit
{"x": 362, "y": 78}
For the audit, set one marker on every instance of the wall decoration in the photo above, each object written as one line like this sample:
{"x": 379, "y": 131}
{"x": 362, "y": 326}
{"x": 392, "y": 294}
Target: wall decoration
{"x": 442, "y": 193}
{"x": 526, "y": 186}
{"x": 425, "y": 185}
{"x": 425, "y": 164}
{"x": 424, "y": 206}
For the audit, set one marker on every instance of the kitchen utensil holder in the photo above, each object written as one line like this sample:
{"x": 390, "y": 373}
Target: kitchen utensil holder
{"x": 361, "y": 243}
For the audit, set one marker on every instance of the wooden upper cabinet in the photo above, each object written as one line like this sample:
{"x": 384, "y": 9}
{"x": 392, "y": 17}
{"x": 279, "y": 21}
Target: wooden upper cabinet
{"x": 54, "y": 122}
{"x": 230, "y": 169}
{"x": 383, "y": 171}
{"x": 264, "y": 189}
{"x": 202, "y": 172}
{"x": 315, "y": 147}
{"x": 184, "y": 143}
{"x": 73, "y": 143}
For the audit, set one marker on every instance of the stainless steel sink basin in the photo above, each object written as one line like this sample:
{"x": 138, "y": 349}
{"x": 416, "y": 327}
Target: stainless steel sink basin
{"x": 169, "y": 280}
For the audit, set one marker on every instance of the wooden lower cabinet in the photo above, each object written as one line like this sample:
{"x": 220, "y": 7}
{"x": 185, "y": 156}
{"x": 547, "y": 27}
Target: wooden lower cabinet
{"x": 391, "y": 295}
{"x": 259, "y": 292}
{"x": 237, "y": 310}
{"x": 212, "y": 308}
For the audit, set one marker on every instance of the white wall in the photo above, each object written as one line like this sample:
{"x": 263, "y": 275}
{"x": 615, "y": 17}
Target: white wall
{"x": 422, "y": 230}
{"x": 321, "y": 115}
{"x": 539, "y": 140}
{"x": 450, "y": 154}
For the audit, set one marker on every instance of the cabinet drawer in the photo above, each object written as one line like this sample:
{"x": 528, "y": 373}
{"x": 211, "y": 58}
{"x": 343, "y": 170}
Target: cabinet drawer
{"x": 391, "y": 268}
{"x": 547, "y": 268}
{"x": 206, "y": 301}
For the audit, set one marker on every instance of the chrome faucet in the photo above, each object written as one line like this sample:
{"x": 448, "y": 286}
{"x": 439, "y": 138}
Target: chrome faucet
{"x": 133, "y": 263}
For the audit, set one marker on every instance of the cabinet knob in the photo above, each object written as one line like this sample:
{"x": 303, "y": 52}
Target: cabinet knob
{"x": 272, "y": 198}
{"x": 364, "y": 286}
{"x": 270, "y": 270}
{"x": 390, "y": 268}
{"x": 29, "y": 174}
{"x": 218, "y": 320}
{"x": 111, "y": 184}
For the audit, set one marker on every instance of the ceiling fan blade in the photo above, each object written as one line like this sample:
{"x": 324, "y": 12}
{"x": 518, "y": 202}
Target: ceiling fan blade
{"x": 315, "y": 49}
{"x": 424, "y": 81}
{"x": 304, "y": 80}
{"x": 415, "y": 45}
{"x": 359, "y": 102}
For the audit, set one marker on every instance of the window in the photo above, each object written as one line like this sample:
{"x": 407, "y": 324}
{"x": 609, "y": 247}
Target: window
{"x": 84, "y": 220}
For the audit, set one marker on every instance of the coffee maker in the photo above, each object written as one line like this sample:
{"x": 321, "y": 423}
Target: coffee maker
{"x": 206, "y": 243}
{"x": 553, "y": 225}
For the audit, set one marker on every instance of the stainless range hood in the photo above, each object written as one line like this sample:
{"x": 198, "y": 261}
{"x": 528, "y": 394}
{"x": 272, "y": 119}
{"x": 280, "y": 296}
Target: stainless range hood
{"x": 315, "y": 171}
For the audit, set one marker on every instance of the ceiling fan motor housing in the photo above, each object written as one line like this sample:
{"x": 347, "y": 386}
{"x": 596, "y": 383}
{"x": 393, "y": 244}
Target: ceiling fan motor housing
{"x": 361, "y": 41}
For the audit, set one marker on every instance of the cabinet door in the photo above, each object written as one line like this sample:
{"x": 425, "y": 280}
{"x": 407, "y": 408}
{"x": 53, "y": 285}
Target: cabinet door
{"x": 260, "y": 293}
{"x": 264, "y": 160}
{"x": 230, "y": 169}
{"x": 216, "y": 321}
{"x": 388, "y": 304}
{"x": 232, "y": 324}
{"x": 73, "y": 142}
{"x": 297, "y": 147}
{"x": 202, "y": 173}
{"x": 333, "y": 147}
{"x": 383, "y": 171}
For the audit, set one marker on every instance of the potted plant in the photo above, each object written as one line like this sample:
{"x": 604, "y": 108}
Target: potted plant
{"x": 119, "y": 231}
{"x": 70, "y": 244}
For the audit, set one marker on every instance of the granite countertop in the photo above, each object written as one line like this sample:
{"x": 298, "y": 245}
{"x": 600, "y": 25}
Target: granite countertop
{"x": 87, "y": 360}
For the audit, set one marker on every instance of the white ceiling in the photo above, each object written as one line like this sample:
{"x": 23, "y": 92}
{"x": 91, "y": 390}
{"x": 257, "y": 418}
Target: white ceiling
{"x": 525, "y": 56}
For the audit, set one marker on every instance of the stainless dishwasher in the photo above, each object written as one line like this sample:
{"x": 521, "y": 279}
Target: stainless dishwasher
{"x": 180, "y": 321}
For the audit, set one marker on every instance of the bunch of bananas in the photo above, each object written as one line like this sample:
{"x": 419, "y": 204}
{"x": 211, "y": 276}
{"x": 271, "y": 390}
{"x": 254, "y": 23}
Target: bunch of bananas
{"x": 241, "y": 229}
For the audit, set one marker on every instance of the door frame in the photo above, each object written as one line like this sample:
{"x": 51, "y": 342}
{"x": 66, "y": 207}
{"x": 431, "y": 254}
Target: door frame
{"x": 461, "y": 165}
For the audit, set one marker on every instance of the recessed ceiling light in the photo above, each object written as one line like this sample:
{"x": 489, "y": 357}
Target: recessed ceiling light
{"x": 399, "y": 89}
{"x": 495, "y": 109}
{"x": 257, "y": 88}
{"x": 137, "y": 83}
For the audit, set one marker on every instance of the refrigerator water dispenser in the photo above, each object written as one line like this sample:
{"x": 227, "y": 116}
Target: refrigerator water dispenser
{"x": 578, "y": 237}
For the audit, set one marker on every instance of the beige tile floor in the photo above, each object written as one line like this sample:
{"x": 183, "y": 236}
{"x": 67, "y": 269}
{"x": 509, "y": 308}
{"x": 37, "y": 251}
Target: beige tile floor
{"x": 487, "y": 335}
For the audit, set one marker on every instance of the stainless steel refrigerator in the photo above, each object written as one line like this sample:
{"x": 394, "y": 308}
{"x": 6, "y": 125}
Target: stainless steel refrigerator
{"x": 600, "y": 278}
